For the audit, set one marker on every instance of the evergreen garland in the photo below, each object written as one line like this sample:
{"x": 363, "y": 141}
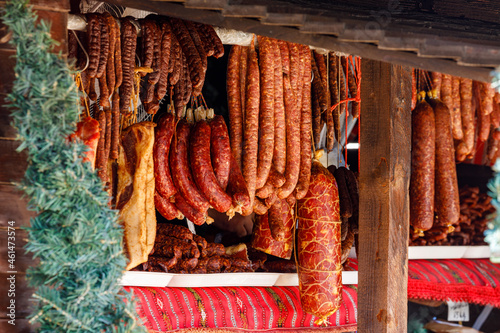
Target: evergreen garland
{"x": 76, "y": 236}
{"x": 493, "y": 235}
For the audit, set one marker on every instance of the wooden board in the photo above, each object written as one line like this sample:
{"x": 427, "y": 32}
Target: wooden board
{"x": 13, "y": 163}
{"x": 384, "y": 204}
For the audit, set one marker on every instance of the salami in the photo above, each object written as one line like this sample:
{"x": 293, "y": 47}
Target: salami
{"x": 456, "y": 116}
{"x": 279, "y": 154}
{"x": 353, "y": 88}
{"x": 114, "y": 34}
{"x": 128, "y": 43}
{"x": 251, "y": 126}
{"x": 237, "y": 188}
{"x": 447, "y": 203}
{"x": 262, "y": 239}
{"x": 278, "y": 214}
{"x": 266, "y": 111}
{"x": 163, "y": 139}
{"x": 234, "y": 102}
{"x": 422, "y": 167}
{"x": 115, "y": 123}
{"x": 437, "y": 79}
{"x": 194, "y": 215}
{"x": 220, "y": 150}
{"x": 485, "y": 107}
{"x": 319, "y": 246}
{"x": 181, "y": 173}
{"x": 293, "y": 141}
{"x": 305, "y": 127}
{"x": 334, "y": 92}
{"x": 203, "y": 172}
{"x": 243, "y": 77}
{"x": 166, "y": 42}
{"x": 166, "y": 208}
{"x": 175, "y": 62}
{"x": 94, "y": 43}
{"x": 465, "y": 146}
{"x": 193, "y": 32}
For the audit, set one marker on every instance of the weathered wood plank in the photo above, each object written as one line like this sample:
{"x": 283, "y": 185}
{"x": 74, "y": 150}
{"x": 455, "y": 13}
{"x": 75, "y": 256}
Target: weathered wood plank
{"x": 23, "y": 298}
{"x": 22, "y": 326}
{"x": 365, "y": 50}
{"x": 13, "y": 207}
{"x": 384, "y": 204}
{"x": 13, "y": 163}
{"x": 23, "y": 260}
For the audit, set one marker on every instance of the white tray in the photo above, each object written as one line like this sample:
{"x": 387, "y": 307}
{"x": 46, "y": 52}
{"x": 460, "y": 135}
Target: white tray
{"x": 292, "y": 279}
{"x": 444, "y": 252}
{"x": 146, "y": 279}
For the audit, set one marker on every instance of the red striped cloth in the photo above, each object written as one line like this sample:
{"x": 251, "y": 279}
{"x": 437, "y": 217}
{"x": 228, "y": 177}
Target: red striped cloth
{"x": 459, "y": 280}
{"x": 240, "y": 308}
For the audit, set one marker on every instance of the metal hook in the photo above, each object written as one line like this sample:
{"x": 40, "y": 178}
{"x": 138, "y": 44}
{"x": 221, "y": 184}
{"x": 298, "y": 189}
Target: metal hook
{"x": 84, "y": 51}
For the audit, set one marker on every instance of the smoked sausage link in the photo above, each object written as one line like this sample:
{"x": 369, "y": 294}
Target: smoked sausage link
{"x": 163, "y": 139}
{"x": 447, "y": 203}
{"x": 181, "y": 173}
{"x": 423, "y": 143}
{"x": 203, "y": 172}
{"x": 220, "y": 150}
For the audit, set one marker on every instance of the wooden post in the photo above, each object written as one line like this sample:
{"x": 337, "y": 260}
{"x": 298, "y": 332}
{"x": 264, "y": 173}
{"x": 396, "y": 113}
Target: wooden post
{"x": 384, "y": 201}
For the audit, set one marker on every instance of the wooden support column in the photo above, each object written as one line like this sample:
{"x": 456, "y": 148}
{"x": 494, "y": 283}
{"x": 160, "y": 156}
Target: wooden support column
{"x": 384, "y": 201}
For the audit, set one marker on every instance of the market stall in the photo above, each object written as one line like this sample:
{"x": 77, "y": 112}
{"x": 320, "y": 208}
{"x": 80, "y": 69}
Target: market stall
{"x": 384, "y": 90}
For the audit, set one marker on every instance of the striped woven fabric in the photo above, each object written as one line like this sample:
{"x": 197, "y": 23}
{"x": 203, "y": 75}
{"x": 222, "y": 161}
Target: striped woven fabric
{"x": 459, "y": 280}
{"x": 235, "y": 309}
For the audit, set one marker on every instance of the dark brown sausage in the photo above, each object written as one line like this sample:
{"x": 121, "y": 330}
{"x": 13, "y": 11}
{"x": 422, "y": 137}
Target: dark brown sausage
{"x": 220, "y": 150}
{"x": 103, "y": 91}
{"x": 104, "y": 51}
{"x": 334, "y": 92}
{"x": 181, "y": 173}
{"x": 163, "y": 139}
{"x": 101, "y": 163}
{"x": 203, "y": 172}
{"x": 351, "y": 83}
{"x": 251, "y": 126}
{"x": 266, "y": 110}
{"x": 110, "y": 65}
{"x": 193, "y": 32}
{"x": 166, "y": 42}
{"x": 175, "y": 62}
{"x": 305, "y": 127}
{"x": 94, "y": 43}
{"x": 234, "y": 102}
{"x": 129, "y": 43}
{"x": 115, "y": 124}
{"x": 447, "y": 203}
{"x": 166, "y": 208}
{"x": 344, "y": 196}
{"x": 423, "y": 131}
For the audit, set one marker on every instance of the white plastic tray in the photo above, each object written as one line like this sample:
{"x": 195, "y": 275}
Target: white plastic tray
{"x": 444, "y": 252}
{"x": 292, "y": 279}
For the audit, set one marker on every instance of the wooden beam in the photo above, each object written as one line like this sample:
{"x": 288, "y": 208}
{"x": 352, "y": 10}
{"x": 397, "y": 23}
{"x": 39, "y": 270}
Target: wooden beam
{"x": 384, "y": 205}
{"x": 292, "y": 34}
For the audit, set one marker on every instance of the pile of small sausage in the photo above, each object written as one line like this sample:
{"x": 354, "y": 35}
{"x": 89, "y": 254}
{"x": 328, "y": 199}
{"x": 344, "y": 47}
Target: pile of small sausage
{"x": 172, "y": 57}
{"x": 475, "y": 210}
{"x": 459, "y": 116}
{"x": 195, "y": 170}
{"x": 269, "y": 99}
{"x": 177, "y": 250}
{"x": 334, "y": 80}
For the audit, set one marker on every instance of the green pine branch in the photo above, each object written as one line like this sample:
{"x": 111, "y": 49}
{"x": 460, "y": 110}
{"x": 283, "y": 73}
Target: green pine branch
{"x": 75, "y": 235}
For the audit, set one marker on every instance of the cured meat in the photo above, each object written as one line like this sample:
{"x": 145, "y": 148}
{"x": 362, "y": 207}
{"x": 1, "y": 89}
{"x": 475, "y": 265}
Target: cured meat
{"x": 262, "y": 239}
{"x": 163, "y": 139}
{"x": 279, "y": 154}
{"x": 237, "y": 188}
{"x": 94, "y": 43}
{"x": 166, "y": 42}
{"x": 128, "y": 43}
{"x": 234, "y": 102}
{"x": 319, "y": 246}
{"x": 437, "y": 79}
{"x": 194, "y": 215}
{"x": 447, "y": 203}
{"x": 465, "y": 146}
{"x": 422, "y": 167}
{"x": 293, "y": 142}
{"x": 345, "y": 204}
{"x": 278, "y": 215}
{"x": 135, "y": 195}
{"x": 456, "y": 116}
{"x": 166, "y": 208}
{"x": 88, "y": 131}
{"x": 353, "y": 87}
{"x": 220, "y": 150}
{"x": 334, "y": 92}
{"x": 203, "y": 172}
{"x": 251, "y": 127}
{"x": 174, "y": 230}
{"x": 266, "y": 110}
{"x": 181, "y": 172}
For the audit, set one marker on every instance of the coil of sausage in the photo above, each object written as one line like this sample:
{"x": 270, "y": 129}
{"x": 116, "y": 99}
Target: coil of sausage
{"x": 163, "y": 139}
{"x": 423, "y": 145}
{"x": 319, "y": 246}
{"x": 220, "y": 150}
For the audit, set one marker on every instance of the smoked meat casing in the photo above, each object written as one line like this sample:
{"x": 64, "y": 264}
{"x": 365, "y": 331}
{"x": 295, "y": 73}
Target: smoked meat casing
{"x": 423, "y": 145}
{"x": 163, "y": 139}
{"x": 319, "y": 246}
{"x": 447, "y": 204}
{"x": 220, "y": 150}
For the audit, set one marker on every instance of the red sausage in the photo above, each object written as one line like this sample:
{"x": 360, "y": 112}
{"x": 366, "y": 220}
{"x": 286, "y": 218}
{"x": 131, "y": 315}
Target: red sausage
{"x": 163, "y": 138}
{"x": 237, "y": 188}
{"x": 201, "y": 166}
{"x": 220, "y": 150}
{"x": 166, "y": 208}
{"x": 192, "y": 214}
{"x": 181, "y": 172}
